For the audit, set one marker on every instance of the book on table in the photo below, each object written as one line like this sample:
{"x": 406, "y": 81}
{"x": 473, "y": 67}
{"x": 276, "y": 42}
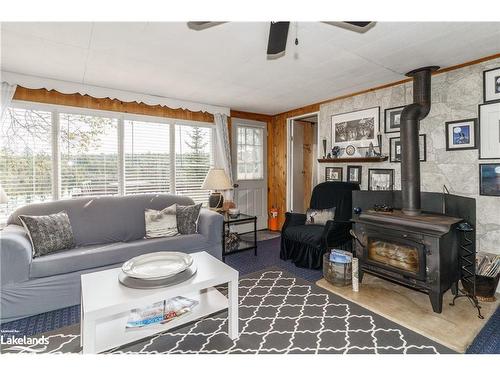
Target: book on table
{"x": 160, "y": 312}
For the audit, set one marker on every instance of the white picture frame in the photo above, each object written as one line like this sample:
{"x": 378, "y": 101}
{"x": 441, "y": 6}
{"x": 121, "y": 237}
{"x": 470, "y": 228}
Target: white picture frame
{"x": 489, "y": 131}
{"x": 358, "y": 128}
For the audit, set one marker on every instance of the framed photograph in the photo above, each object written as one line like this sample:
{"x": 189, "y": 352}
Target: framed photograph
{"x": 461, "y": 135}
{"x": 392, "y": 119}
{"x": 333, "y": 174}
{"x": 354, "y": 174}
{"x": 491, "y": 85}
{"x": 380, "y": 179}
{"x": 489, "y": 179}
{"x": 489, "y": 131}
{"x": 357, "y": 128}
{"x": 395, "y": 148}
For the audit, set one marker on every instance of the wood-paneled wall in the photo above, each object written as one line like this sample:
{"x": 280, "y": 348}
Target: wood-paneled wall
{"x": 277, "y": 158}
{"x": 106, "y": 104}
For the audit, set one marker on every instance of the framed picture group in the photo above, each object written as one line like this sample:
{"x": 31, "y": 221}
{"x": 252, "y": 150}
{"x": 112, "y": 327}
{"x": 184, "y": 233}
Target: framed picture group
{"x": 359, "y": 129}
{"x": 489, "y": 134}
{"x": 336, "y": 174}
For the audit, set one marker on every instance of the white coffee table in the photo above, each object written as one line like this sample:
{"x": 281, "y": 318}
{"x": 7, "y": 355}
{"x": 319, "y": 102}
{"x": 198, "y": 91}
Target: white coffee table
{"x": 106, "y": 303}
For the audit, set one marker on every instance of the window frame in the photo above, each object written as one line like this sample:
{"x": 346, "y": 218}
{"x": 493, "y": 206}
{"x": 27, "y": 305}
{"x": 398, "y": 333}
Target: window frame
{"x": 264, "y": 136}
{"x": 121, "y": 117}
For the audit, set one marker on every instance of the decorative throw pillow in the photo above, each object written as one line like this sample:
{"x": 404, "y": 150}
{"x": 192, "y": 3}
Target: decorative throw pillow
{"x": 187, "y": 218}
{"x": 48, "y": 233}
{"x": 319, "y": 217}
{"x": 161, "y": 223}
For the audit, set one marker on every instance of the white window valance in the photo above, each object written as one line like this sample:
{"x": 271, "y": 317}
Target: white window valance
{"x": 65, "y": 87}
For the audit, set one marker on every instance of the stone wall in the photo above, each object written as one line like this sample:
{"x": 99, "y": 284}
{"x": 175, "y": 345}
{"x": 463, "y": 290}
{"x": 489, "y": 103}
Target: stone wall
{"x": 455, "y": 96}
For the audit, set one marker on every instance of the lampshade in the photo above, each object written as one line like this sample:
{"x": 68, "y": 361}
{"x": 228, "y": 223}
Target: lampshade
{"x": 216, "y": 179}
{"x": 3, "y": 196}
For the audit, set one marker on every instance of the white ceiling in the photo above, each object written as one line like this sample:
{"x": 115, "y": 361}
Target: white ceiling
{"x": 226, "y": 65}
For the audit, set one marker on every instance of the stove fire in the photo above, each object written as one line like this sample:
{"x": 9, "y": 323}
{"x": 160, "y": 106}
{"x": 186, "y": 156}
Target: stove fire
{"x": 392, "y": 254}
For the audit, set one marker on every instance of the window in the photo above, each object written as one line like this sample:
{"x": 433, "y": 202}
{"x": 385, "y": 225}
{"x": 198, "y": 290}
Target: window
{"x": 250, "y": 151}
{"x": 51, "y": 152}
{"x": 25, "y": 158}
{"x": 193, "y": 159}
{"x": 147, "y": 157}
{"x": 89, "y": 155}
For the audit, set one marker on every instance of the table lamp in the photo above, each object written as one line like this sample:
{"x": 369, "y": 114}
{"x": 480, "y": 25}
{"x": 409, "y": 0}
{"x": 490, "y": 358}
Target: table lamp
{"x": 216, "y": 180}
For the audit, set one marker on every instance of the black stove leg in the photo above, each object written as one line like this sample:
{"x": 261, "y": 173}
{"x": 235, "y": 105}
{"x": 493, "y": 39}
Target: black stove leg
{"x": 454, "y": 288}
{"x": 436, "y": 301}
{"x": 360, "y": 275}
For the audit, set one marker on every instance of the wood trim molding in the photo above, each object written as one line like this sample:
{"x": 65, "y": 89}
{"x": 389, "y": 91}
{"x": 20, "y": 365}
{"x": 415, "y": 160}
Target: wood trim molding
{"x": 443, "y": 70}
{"x": 106, "y": 104}
{"x": 251, "y": 116}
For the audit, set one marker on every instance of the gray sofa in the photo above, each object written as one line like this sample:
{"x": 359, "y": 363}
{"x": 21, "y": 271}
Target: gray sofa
{"x": 107, "y": 231}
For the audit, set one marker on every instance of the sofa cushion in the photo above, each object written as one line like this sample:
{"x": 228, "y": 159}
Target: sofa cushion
{"x": 319, "y": 216}
{"x": 48, "y": 233}
{"x": 309, "y": 234}
{"x": 102, "y": 220}
{"x": 87, "y": 257}
{"x": 161, "y": 223}
{"x": 187, "y": 218}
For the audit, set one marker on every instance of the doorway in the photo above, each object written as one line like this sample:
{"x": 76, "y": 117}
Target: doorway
{"x": 302, "y": 151}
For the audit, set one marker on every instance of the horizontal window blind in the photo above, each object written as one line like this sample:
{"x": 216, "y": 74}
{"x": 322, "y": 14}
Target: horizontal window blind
{"x": 89, "y": 155}
{"x": 147, "y": 157}
{"x": 193, "y": 159}
{"x": 25, "y": 158}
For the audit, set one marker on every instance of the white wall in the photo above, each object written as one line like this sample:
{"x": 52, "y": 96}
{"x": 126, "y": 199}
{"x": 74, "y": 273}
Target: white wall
{"x": 455, "y": 96}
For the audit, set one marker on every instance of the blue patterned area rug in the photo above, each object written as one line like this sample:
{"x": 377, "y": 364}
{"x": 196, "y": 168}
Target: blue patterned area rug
{"x": 487, "y": 341}
{"x": 279, "y": 313}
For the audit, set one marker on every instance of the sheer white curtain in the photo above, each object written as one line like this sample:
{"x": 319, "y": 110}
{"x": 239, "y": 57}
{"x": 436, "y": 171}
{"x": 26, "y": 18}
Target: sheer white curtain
{"x": 223, "y": 155}
{"x": 6, "y": 95}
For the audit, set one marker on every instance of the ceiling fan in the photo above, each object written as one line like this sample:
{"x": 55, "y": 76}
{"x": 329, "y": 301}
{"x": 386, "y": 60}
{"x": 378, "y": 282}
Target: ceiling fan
{"x": 278, "y": 32}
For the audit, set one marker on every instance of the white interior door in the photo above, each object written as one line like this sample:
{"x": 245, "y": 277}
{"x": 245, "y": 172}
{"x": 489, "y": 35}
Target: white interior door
{"x": 249, "y": 149}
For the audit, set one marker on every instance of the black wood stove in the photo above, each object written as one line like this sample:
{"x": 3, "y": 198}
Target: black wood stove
{"x": 410, "y": 246}
{"x": 416, "y": 251}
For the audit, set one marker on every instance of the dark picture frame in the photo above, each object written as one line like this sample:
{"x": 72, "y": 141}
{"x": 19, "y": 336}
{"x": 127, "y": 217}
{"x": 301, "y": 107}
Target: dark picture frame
{"x": 489, "y": 133}
{"x": 491, "y": 85}
{"x": 358, "y": 128}
{"x": 395, "y": 154}
{"x": 391, "y": 118}
{"x": 489, "y": 179}
{"x": 331, "y": 170}
{"x": 377, "y": 185}
{"x": 351, "y": 168}
{"x": 456, "y": 132}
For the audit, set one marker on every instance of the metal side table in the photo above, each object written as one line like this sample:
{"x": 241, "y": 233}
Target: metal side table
{"x": 242, "y": 244}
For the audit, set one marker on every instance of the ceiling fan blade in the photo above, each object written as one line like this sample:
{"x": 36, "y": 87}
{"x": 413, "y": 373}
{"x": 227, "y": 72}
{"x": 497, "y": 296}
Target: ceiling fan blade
{"x": 357, "y": 26}
{"x": 278, "y": 34}
{"x": 202, "y": 25}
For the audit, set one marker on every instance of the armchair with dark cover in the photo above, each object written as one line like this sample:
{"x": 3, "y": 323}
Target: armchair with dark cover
{"x": 306, "y": 244}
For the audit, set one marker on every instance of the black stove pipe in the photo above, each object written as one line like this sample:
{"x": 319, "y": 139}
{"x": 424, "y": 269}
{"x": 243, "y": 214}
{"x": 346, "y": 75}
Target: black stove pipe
{"x": 410, "y": 124}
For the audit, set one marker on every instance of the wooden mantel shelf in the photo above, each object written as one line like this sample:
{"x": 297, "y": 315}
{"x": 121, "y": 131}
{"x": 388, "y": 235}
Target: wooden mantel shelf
{"x": 367, "y": 159}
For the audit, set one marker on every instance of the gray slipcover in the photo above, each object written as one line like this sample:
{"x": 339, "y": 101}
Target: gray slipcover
{"x": 107, "y": 230}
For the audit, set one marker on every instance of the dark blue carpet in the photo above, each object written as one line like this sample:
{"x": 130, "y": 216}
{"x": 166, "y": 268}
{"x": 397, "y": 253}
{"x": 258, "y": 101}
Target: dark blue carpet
{"x": 486, "y": 342}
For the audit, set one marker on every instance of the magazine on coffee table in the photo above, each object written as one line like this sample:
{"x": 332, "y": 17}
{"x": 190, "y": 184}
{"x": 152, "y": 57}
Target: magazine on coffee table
{"x": 160, "y": 312}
